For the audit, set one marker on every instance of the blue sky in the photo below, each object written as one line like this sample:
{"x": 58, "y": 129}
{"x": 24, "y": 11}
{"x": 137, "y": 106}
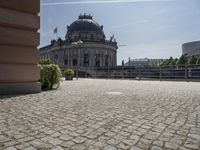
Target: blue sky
{"x": 148, "y": 28}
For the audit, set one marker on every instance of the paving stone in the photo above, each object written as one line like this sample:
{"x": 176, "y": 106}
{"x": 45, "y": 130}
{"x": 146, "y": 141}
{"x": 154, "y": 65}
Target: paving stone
{"x": 191, "y": 145}
{"x": 129, "y": 142}
{"x": 65, "y": 131}
{"x": 74, "y": 134}
{"x": 65, "y": 137}
{"x": 156, "y": 148}
{"x": 26, "y": 139}
{"x": 134, "y": 137}
{"x": 91, "y": 136}
{"x": 151, "y": 136}
{"x": 11, "y": 148}
{"x": 30, "y": 148}
{"x": 55, "y": 141}
{"x": 171, "y": 145}
{"x": 57, "y": 148}
{"x": 109, "y": 147}
{"x": 9, "y": 143}
{"x": 100, "y": 144}
{"x": 183, "y": 148}
{"x": 4, "y": 139}
{"x": 123, "y": 146}
{"x": 177, "y": 141}
{"x": 67, "y": 144}
{"x": 78, "y": 147}
{"x": 79, "y": 140}
{"x": 113, "y": 141}
{"x": 195, "y": 136}
{"x": 22, "y": 146}
{"x": 56, "y": 134}
{"x": 135, "y": 148}
{"x": 158, "y": 143}
{"x": 39, "y": 144}
{"x": 146, "y": 115}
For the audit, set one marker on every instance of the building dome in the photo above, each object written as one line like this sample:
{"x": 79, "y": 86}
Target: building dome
{"x": 85, "y": 29}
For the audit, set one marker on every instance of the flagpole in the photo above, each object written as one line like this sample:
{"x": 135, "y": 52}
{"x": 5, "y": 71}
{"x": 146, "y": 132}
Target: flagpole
{"x": 55, "y": 31}
{"x": 57, "y": 35}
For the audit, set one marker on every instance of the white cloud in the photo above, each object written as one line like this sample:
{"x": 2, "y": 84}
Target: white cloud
{"x": 98, "y": 2}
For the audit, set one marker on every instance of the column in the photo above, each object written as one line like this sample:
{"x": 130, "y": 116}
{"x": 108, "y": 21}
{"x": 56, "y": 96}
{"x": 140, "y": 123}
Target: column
{"x": 19, "y": 56}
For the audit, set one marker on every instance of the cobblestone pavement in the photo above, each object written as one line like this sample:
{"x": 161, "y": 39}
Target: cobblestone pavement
{"x": 94, "y": 114}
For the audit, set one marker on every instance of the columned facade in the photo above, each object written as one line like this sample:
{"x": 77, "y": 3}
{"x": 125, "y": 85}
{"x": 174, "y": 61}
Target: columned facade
{"x": 85, "y": 47}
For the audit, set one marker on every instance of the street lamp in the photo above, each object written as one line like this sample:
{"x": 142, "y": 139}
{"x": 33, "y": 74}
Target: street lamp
{"x": 77, "y": 45}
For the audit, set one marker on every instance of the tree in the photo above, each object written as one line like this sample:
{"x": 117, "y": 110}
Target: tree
{"x": 167, "y": 61}
{"x": 173, "y": 62}
{"x": 192, "y": 60}
{"x": 198, "y": 61}
{"x": 182, "y": 60}
{"x": 170, "y": 60}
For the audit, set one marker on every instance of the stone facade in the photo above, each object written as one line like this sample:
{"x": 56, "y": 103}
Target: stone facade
{"x": 85, "y": 47}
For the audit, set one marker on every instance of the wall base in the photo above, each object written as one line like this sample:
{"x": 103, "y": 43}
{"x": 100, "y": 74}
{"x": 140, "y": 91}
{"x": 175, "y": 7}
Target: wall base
{"x": 20, "y": 88}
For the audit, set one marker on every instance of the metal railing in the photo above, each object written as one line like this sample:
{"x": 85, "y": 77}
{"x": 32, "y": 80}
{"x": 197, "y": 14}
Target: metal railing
{"x": 180, "y": 72}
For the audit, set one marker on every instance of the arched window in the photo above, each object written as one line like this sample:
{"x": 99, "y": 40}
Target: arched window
{"x": 92, "y": 37}
{"x": 86, "y": 60}
{"x": 97, "y": 60}
{"x": 97, "y": 63}
{"x": 106, "y": 60}
{"x": 66, "y": 62}
{"x": 74, "y": 62}
{"x": 56, "y": 59}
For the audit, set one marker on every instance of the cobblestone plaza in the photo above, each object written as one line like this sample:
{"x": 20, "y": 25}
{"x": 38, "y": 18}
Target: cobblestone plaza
{"x": 94, "y": 114}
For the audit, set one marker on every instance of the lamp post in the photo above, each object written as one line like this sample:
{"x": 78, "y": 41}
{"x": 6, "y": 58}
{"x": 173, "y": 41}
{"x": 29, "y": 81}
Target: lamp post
{"x": 77, "y": 45}
{"x": 129, "y": 64}
{"x": 122, "y": 69}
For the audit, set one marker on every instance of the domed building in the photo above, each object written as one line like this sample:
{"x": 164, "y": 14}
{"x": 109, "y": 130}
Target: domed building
{"x": 85, "y": 47}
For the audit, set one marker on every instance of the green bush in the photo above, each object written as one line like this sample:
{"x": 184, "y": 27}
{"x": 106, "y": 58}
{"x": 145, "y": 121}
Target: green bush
{"x": 69, "y": 72}
{"x": 192, "y": 60}
{"x": 182, "y": 60}
{"x": 45, "y": 62}
{"x": 50, "y": 76}
{"x": 167, "y": 62}
{"x": 198, "y": 61}
{"x": 173, "y": 62}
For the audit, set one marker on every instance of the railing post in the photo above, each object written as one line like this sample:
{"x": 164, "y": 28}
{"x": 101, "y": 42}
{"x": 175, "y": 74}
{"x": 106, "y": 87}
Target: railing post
{"x": 129, "y": 67}
{"x": 123, "y": 72}
{"x": 186, "y": 72}
{"x": 108, "y": 71}
{"x": 86, "y": 71}
{"x": 95, "y": 73}
{"x": 160, "y": 73}
{"x": 139, "y": 72}
{"x": 76, "y": 72}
